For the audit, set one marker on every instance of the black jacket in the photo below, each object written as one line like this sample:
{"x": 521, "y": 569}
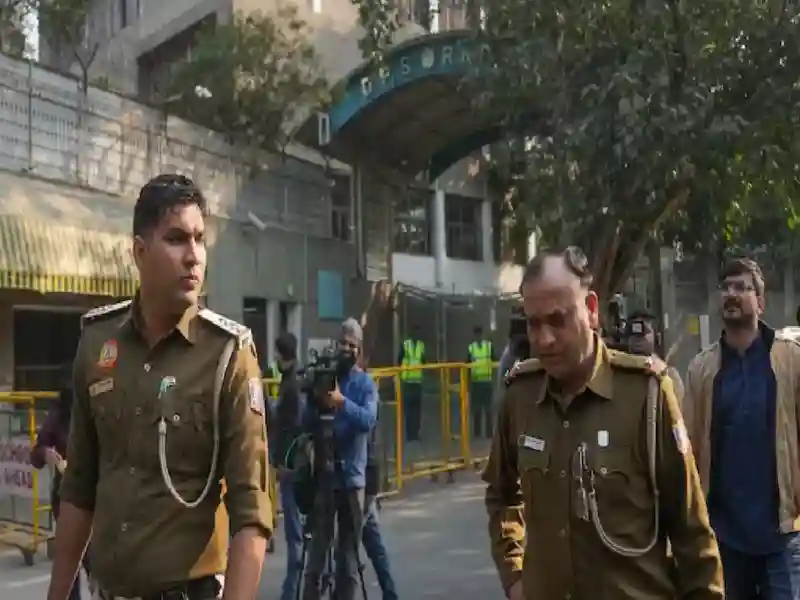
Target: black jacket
{"x": 287, "y": 419}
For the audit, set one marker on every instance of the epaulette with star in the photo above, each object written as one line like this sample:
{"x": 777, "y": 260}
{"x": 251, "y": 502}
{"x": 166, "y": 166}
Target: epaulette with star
{"x": 522, "y": 368}
{"x": 105, "y": 311}
{"x": 241, "y": 332}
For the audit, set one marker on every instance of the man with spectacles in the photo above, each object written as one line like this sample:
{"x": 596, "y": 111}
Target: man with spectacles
{"x": 590, "y": 471}
{"x": 741, "y": 414}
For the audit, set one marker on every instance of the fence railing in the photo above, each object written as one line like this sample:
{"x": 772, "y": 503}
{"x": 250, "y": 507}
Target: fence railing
{"x": 25, "y": 514}
{"x": 440, "y": 423}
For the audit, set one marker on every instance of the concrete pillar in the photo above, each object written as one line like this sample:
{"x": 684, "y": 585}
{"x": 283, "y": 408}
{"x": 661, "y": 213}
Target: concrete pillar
{"x": 439, "y": 236}
{"x": 487, "y": 237}
{"x": 272, "y": 329}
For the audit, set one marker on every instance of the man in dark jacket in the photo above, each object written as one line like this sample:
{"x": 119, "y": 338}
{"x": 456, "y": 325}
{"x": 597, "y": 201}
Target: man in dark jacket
{"x": 285, "y": 425}
{"x": 51, "y": 450}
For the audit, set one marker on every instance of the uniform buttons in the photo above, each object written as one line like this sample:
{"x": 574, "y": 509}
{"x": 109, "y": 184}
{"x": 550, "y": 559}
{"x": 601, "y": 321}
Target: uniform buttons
{"x": 138, "y": 411}
{"x": 147, "y": 367}
{"x": 132, "y": 471}
{"x": 124, "y": 527}
{"x": 562, "y": 474}
{"x": 176, "y": 418}
{"x": 603, "y": 471}
{"x": 566, "y": 424}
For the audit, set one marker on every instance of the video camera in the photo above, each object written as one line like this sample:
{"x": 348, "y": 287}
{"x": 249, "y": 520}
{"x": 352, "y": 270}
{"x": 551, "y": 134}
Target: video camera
{"x": 319, "y": 376}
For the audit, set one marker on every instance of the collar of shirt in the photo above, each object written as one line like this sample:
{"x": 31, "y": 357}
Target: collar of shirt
{"x": 763, "y": 342}
{"x": 600, "y": 382}
{"x": 185, "y": 326}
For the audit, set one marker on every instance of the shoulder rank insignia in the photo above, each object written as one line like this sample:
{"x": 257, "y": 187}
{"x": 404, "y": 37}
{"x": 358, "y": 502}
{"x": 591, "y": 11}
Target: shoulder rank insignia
{"x": 637, "y": 362}
{"x": 237, "y": 330}
{"x": 523, "y": 367}
{"x": 105, "y": 311}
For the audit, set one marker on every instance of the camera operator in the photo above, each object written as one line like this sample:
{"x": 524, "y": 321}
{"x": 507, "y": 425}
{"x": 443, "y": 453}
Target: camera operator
{"x": 285, "y": 426}
{"x": 640, "y": 334}
{"x": 354, "y": 402}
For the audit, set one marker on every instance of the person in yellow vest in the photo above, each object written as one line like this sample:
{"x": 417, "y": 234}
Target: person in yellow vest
{"x": 412, "y": 353}
{"x": 481, "y": 356}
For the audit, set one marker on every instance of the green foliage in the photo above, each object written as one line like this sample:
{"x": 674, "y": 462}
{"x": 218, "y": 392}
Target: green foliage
{"x": 655, "y": 118}
{"x": 252, "y": 80}
{"x": 12, "y": 37}
{"x": 63, "y": 24}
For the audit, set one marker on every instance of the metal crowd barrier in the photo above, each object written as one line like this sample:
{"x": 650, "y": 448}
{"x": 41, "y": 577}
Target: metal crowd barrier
{"x": 25, "y": 516}
{"x": 446, "y": 443}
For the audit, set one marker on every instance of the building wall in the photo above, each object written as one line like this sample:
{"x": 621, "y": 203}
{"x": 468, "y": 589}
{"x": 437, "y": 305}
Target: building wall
{"x": 110, "y": 144}
{"x": 334, "y": 32}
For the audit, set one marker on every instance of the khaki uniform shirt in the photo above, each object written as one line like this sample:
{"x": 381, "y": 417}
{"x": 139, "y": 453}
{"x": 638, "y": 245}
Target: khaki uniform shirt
{"x": 532, "y": 478}
{"x": 143, "y": 539}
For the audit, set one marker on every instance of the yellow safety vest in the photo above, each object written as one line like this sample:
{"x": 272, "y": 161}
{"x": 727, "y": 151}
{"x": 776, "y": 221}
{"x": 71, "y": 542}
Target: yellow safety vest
{"x": 480, "y": 353}
{"x": 412, "y": 356}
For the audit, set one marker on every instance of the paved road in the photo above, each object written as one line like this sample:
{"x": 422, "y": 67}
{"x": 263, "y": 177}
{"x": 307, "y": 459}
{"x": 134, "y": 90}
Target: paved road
{"x": 436, "y": 534}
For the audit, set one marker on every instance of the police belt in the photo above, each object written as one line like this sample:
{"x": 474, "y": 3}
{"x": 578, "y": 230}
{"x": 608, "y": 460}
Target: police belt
{"x": 205, "y": 588}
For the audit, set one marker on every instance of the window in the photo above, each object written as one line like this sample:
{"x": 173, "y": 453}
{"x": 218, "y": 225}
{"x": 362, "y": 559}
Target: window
{"x": 283, "y": 316}
{"x": 38, "y": 365}
{"x": 123, "y": 13}
{"x": 155, "y": 66}
{"x": 255, "y": 318}
{"x": 463, "y": 220}
{"x": 340, "y": 208}
{"x": 411, "y": 222}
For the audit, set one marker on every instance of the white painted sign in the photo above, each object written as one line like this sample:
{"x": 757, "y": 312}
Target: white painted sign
{"x": 16, "y": 472}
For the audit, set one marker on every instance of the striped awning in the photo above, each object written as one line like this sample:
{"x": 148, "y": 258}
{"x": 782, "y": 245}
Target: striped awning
{"x": 49, "y": 257}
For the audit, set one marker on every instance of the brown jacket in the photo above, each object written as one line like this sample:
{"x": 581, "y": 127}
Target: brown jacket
{"x": 697, "y": 409}
{"x": 557, "y": 547}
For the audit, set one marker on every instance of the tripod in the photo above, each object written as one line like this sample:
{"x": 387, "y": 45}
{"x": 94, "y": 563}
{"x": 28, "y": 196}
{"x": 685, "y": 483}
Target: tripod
{"x": 325, "y": 522}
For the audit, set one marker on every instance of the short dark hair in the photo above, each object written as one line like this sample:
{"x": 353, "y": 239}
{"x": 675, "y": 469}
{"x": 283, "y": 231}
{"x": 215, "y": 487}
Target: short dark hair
{"x": 162, "y": 194}
{"x": 744, "y": 266}
{"x": 286, "y": 345}
{"x": 574, "y": 260}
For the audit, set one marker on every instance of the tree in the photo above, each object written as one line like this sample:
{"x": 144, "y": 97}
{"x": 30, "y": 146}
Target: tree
{"x": 252, "y": 80}
{"x": 12, "y": 36}
{"x": 648, "y": 114}
{"x": 63, "y": 23}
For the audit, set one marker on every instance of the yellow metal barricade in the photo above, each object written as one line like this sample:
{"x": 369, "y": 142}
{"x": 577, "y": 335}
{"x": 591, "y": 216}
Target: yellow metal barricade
{"x": 271, "y": 390}
{"x": 25, "y": 516}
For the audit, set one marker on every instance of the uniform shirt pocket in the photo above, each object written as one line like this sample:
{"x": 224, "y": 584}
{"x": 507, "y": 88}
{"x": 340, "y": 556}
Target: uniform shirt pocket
{"x": 533, "y": 467}
{"x": 189, "y": 433}
{"x": 622, "y": 493}
{"x": 106, "y": 407}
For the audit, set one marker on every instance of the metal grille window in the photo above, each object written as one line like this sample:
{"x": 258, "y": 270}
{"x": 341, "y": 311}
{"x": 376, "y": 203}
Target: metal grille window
{"x": 463, "y": 219}
{"x": 412, "y": 233}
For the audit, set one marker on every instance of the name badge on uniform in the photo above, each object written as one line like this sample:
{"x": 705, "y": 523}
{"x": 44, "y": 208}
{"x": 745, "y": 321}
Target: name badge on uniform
{"x": 101, "y": 387}
{"x": 602, "y": 438}
{"x": 532, "y": 443}
{"x": 256, "y": 390}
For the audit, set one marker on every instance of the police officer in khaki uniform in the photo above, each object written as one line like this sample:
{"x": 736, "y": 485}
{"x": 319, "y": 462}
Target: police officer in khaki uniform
{"x": 590, "y": 453}
{"x": 168, "y": 421}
